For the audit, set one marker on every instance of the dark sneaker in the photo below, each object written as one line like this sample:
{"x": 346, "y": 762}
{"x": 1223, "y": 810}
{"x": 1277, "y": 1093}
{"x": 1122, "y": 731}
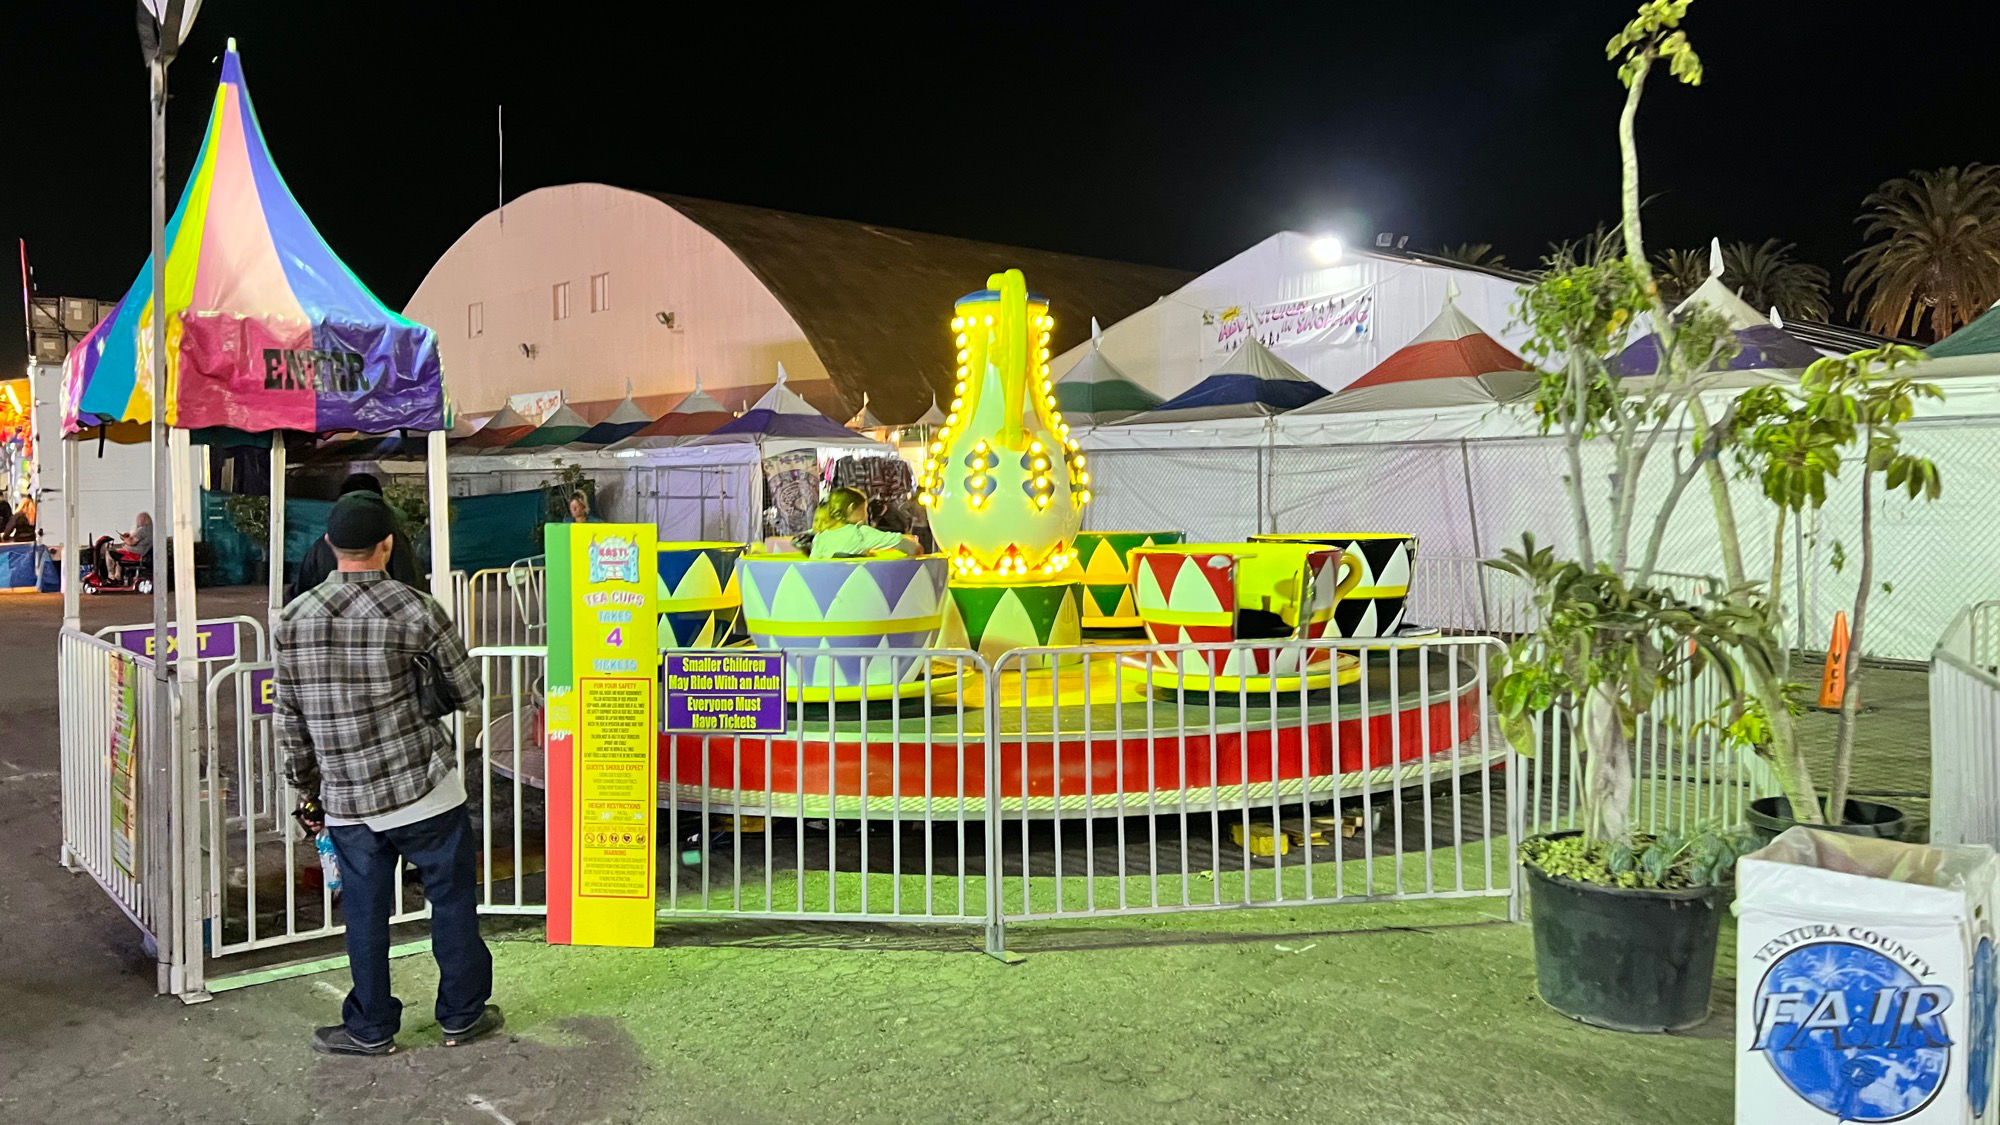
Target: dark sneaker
{"x": 336, "y": 1041}
{"x": 489, "y": 1021}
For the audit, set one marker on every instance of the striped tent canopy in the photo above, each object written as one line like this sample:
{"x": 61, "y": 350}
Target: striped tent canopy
{"x": 1251, "y": 382}
{"x": 1762, "y": 345}
{"x": 1452, "y": 362}
{"x": 506, "y": 427}
{"x": 1095, "y": 392}
{"x": 560, "y": 428}
{"x": 697, "y": 414}
{"x": 266, "y": 328}
{"x": 618, "y": 425}
{"x": 782, "y": 415}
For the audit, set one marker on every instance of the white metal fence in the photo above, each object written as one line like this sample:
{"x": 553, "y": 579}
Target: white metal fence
{"x": 108, "y": 757}
{"x": 1965, "y": 729}
{"x": 505, "y": 606}
{"x": 1053, "y": 783}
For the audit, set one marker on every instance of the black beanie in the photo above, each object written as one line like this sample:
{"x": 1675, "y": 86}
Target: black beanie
{"x": 359, "y": 521}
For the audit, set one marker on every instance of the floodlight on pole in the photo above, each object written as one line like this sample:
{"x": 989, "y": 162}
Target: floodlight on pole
{"x": 1326, "y": 250}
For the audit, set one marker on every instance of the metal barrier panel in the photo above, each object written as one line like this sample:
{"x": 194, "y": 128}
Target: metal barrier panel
{"x": 1687, "y": 776}
{"x": 1965, "y": 729}
{"x": 260, "y": 871}
{"x": 505, "y": 607}
{"x": 109, "y": 770}
{"x": 505, "y": 781}
{"x": 1137, "y": 779}
{"x": 871, "y": 806}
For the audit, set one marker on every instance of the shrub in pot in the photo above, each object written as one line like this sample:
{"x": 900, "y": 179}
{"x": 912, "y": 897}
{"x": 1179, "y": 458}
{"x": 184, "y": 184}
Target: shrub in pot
{"x": 1624, "y": 922}
{"x": 1794, "y": 441}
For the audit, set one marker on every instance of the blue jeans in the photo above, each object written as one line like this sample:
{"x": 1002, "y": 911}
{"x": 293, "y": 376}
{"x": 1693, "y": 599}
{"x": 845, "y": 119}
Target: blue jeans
{"x": 441, "y": 850}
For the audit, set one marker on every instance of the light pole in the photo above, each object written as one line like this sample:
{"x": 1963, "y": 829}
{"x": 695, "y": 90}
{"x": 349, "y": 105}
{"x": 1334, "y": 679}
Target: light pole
{"x": 163, "y": 27}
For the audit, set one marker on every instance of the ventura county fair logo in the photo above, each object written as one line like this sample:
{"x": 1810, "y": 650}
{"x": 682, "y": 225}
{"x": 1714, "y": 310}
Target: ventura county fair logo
{"x": 1850, "y": 1026}
{"x": 614, "y": 558}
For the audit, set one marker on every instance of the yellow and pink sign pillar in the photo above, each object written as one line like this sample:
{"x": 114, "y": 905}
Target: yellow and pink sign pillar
{"x": 1004, "y": 480}
{"x": 603, "y": 732}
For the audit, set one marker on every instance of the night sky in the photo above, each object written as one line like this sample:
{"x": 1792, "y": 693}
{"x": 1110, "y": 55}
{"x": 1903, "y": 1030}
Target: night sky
{"x": 1171, "y": 135}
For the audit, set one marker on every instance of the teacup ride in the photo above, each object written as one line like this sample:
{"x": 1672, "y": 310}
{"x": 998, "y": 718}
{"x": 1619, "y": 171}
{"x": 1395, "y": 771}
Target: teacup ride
{"x": 700, "y": 598}
{"x": 1375, "y": 607}
{"x": 886, "y": 604}
{"x": 1224, "y": 593}
{"x": 1104, "y": 564}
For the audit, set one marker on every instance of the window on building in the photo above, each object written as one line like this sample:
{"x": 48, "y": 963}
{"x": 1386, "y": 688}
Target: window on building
{"x": 600, "y": 292}
{"x": 560, "y": 295}
{"x": 475, "y": 319}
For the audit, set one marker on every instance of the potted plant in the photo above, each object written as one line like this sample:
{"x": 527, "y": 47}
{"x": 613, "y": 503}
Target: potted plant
{"x": 251, "y": 517}
{"x": 1624, "y": 922}
{"x": 1794, "y": 441}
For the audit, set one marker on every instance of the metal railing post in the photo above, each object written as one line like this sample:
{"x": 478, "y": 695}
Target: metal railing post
{"x": 996, "y": 914}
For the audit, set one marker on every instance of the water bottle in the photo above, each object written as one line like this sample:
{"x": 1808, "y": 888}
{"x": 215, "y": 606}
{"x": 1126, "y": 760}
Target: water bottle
{"x": 329, "y": 864}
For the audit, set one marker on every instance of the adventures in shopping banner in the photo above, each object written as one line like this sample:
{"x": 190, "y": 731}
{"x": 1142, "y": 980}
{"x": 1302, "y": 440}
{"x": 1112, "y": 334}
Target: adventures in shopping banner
{"x": 1334, "y": 319}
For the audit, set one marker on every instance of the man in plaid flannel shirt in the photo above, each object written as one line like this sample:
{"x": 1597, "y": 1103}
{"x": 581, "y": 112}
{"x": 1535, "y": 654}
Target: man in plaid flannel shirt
{"x": 378, "y": 771}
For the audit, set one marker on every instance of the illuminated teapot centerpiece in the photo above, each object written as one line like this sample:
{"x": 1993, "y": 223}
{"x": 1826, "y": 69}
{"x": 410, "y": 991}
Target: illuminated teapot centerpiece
{"x": 1005, "y": 482}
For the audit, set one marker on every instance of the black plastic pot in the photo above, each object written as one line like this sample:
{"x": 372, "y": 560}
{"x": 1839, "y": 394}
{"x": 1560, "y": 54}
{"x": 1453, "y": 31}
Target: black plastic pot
{"x": 1628, "y": 960}
{"x": 1768, "y": 816}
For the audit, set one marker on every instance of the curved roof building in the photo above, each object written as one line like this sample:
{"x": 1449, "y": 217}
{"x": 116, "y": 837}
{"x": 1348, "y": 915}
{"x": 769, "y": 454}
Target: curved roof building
{"x": 582, "y": 287}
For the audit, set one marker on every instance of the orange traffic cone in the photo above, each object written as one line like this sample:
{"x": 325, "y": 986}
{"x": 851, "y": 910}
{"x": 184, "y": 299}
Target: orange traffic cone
{"x": 1833, "y": 684}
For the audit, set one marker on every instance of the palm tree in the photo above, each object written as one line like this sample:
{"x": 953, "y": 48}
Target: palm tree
{"x": 1601, "y": 245}
{"x": 1766, "y": 276}
{"x": 1473, "y": 254}
{"x": 1679, "y": 273}
{"x": 1932, "y": 263}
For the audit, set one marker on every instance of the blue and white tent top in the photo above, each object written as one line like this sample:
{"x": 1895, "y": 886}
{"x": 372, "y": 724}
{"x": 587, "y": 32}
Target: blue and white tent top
{"x": 1762, "y": 344}
{"x": 618, "y": 425}
{"x": 1251, "y": 382}
{"x": 782, "y": 420}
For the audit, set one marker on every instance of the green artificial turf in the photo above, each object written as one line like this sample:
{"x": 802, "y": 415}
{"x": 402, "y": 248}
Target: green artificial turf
{"x": 1403, "y": 1011}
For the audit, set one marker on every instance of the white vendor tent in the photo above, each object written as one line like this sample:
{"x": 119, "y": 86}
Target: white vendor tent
{"x": 1470, "y": 479}
{"x": 1333, "y": 321}
{"x": 1452, "y": 362}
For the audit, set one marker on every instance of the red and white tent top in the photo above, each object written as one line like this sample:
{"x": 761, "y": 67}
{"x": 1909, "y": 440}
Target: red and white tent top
{"x": 1452, "y": 362}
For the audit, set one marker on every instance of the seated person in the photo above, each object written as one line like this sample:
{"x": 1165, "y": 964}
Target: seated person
{"x": 841, "y": 531}
{"x": 20, "y": 527}
{"x": 579, "y": 509}
{"x": 129, "y": 546}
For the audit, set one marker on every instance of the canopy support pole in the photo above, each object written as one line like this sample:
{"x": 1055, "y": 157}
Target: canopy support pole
{"x": 438, "y": 495}
{"x": 276, "y": 521}
{"x": 161, "y": 720}
{"x": 1472, "y": 521}
{"x": 183, "y": 782}
{"x": 72, "y": 590}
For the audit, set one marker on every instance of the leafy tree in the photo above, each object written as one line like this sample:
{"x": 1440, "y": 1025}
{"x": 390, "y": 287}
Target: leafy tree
{"x": 1797, "y": 440}
{"x": 1473, "y": 254}
{"x": 1932, "y": 263}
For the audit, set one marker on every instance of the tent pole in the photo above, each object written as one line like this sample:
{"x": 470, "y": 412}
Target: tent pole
{"x": 72, "y": 593}
{"x": 437, "y": 476}
{"x": 276, "y": 548}
{"x": 161, "y": 719}
{"x": 185, "y": 902}
{"x": 1472, "y": 520}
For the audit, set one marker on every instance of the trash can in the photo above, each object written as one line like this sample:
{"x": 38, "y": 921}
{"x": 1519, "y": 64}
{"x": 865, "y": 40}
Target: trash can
{"x": 1865, "y": 981}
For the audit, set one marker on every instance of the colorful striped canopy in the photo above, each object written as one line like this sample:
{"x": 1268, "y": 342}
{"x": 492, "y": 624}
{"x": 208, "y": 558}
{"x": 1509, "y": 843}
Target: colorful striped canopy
{"x": 266, "y": 328}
